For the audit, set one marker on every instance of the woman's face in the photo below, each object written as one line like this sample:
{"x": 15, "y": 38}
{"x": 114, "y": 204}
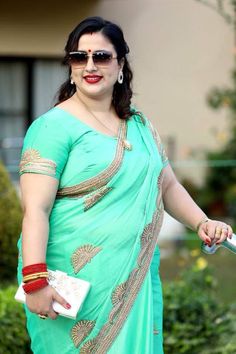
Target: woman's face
{"x": 91, "y": 80}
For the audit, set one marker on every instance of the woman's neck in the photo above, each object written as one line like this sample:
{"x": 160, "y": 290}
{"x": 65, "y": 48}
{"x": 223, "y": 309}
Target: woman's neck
{"x": 100, "y": 105}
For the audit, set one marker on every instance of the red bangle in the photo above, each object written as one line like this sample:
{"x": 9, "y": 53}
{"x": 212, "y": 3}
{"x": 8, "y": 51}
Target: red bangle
{"x": 35, "y": 285}
{"x": 34, "y": 268}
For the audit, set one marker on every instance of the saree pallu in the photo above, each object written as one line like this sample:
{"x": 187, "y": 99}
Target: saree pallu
{"x": 103, "y": 228}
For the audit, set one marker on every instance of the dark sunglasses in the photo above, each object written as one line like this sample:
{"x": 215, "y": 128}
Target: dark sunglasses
{"x": 101, "y": 58}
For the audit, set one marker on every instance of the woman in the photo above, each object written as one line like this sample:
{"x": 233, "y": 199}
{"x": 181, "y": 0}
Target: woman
{"x": 94, "y": 179}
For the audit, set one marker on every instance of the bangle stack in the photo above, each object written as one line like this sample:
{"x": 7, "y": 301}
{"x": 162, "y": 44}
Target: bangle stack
{"x": 35, "y": 277}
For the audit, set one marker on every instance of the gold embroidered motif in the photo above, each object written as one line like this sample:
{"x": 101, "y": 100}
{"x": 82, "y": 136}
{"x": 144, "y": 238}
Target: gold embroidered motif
{"x": 118, "y": 293}
{"x": 145, "y": 241}
{"x": 32, "y": 161}
{"x": 31, "y": 155}
{"x": 88, "y": 347}
{"x": 81, "y": 330}
{"x": 83, "y": 255}
{"x": 117, "y": 299}
{"x": 95, "y": 197}
{"x": 124, "y": 295}
{"x": 103, "y": 177}
{"x": 146, "y": 235}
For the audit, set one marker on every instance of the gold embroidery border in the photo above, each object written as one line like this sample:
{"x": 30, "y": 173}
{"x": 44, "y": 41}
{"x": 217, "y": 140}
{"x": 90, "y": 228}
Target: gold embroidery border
{"x": 92, "y": 199}
{"x": 103, "y": 177}
{"x": 32, "y": 162}
{"x": 159, "y": 144}
{"x": 101, "y": 343}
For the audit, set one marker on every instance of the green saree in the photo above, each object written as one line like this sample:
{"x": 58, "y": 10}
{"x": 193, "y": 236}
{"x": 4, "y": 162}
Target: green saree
{"x": 103, "y": 228}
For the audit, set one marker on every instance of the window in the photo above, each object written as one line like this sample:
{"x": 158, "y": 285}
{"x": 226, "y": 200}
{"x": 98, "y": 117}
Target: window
{"x": 27, "y": 89}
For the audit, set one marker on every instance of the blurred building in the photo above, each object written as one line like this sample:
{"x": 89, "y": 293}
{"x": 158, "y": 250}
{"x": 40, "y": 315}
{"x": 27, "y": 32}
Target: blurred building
{"x": 179, "y": 50}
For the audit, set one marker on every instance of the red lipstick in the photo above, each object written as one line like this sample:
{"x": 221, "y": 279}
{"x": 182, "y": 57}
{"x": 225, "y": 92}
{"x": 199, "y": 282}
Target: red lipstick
{"x": 92, "y": 79}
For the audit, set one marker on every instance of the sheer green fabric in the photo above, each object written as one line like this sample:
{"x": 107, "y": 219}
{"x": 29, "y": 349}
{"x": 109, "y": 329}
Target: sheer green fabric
{"x": 104, "y": 227}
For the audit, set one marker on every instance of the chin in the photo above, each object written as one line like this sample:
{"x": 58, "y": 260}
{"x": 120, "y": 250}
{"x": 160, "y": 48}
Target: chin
{"x": 97, "y": 91}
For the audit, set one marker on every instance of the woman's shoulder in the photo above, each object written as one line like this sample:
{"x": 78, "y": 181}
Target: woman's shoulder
{"x": 147, "y": 123}
{"x": 54, "y": 119}
{"x": 53, "y": 116}
{"x": 139, "y": 116}
{"x": 50, "y": 125}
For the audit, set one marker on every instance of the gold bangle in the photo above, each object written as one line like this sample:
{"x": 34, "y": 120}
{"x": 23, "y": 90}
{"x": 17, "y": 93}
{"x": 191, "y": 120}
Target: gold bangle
{"x": 38, "y": 273}
{"x": 203, "y": 221}
{"x": 35, "y": 276}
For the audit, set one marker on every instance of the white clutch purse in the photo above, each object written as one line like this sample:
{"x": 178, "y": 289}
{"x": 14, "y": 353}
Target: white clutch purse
{"x": 73, "y": 290}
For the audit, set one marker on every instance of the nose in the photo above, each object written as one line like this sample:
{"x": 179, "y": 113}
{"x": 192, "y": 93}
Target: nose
{"x": 90, "y": 66}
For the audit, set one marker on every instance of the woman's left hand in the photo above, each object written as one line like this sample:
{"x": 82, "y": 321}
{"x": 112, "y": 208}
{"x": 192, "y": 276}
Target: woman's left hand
{"x": 214, "y": 232}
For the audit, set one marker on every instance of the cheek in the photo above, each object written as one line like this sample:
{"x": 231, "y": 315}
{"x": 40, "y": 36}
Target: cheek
{"x": 112, "y": 76}
{"x": 76, "y": 73}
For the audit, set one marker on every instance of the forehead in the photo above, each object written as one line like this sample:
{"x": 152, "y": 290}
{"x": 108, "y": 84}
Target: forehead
{"x": 95, "y": 41}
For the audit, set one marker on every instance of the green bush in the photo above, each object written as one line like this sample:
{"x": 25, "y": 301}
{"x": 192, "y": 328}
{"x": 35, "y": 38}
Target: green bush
{"x": 13, "y": 336}
{"x": 195, "y": 321}
{"x": 10, "y": 225}
{"x": 222, "y": 178}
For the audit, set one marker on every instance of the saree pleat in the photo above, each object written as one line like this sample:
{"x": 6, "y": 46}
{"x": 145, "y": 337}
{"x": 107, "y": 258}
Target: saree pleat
{"x": 108, "y": 236}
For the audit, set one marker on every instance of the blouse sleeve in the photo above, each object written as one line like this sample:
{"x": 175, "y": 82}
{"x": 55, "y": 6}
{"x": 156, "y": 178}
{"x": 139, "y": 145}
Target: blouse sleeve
{"x": 46, "y": 148}
{"x": 156, "y": 136}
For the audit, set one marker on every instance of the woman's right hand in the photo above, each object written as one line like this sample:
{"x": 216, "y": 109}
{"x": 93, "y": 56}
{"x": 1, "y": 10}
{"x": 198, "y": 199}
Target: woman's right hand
{"x": 40, "y": 302}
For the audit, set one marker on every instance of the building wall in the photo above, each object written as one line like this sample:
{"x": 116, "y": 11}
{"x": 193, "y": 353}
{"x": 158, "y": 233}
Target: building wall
{"x": 179, "y": 49}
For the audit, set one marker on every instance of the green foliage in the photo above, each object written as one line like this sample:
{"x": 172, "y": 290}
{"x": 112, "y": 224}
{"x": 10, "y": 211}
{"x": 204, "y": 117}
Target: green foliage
{"x": 10, "y": 225}
{"x": 218, "y": 196}
{"x": 194, "y": 319}
{"x": 13, "y": 336}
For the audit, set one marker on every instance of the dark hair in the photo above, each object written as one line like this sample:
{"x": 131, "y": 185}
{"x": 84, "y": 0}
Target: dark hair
{"x": 122, "y": 93}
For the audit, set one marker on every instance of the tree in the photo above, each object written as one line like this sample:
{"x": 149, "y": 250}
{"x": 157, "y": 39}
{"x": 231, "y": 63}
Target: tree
{"x": 218, "y": 195}
{"x": 10, "y": 225}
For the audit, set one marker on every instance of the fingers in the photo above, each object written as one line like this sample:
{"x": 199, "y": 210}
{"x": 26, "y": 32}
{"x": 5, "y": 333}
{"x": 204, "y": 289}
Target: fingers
{"x": 40, "y": 303}
{"x": 58, "y": 298}
{"x": 52, "y": 314}
{"x": 230, "y": 231}
{"x": 203, "y": 233}
{"x": 214, "y": 232}
{"x": 221, "y": 236}
{"x": 48, "y": 314}
{"x": 204, "y": 236}
{"x": 217, "y": 231}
